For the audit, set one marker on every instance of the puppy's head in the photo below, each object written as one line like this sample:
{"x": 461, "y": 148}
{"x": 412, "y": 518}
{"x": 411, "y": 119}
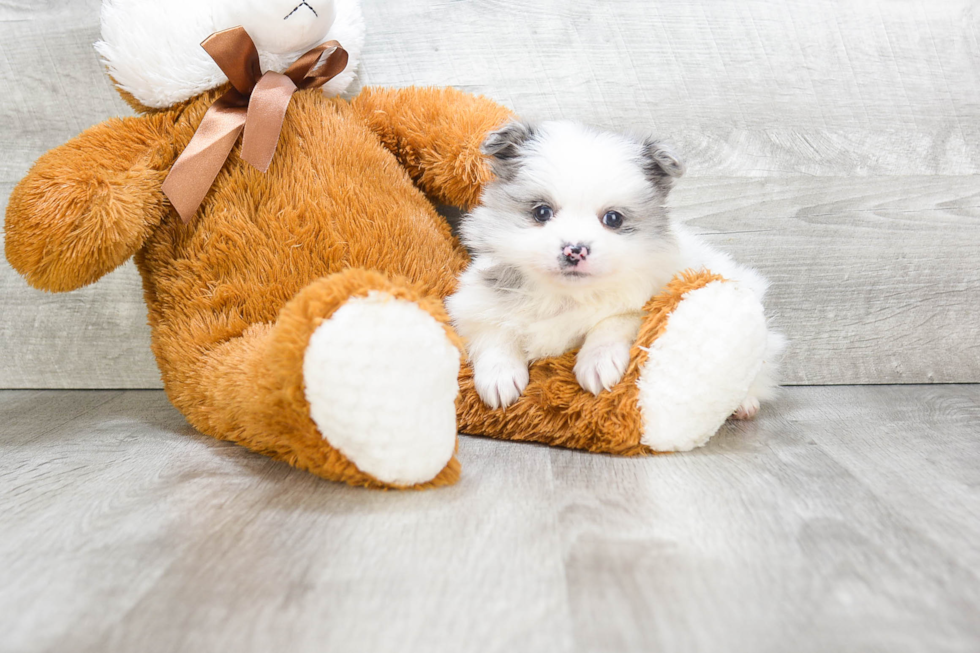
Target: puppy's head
{"x": 572, "y": 206}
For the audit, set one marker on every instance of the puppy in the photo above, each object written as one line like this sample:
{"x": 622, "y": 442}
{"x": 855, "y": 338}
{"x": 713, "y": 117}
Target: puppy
{"x": 569, "y": 242}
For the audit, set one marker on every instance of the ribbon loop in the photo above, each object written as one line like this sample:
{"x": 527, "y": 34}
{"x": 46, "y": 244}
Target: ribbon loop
{"x": 256, "y": 103}
{"x": 312, "y": 71}
{"x": 234, "y": 52}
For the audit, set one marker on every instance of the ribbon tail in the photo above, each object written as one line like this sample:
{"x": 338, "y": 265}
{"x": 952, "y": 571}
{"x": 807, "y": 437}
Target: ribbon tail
{"x": 266, "y": 113}
{"x": 335, "y": 63}
{"x": 195, "y": 170}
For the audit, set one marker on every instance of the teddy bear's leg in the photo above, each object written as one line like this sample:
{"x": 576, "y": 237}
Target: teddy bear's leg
{"x": 355, "y": 382}
{"x": 700, "y": 347}
{"x": 700, "y": 370}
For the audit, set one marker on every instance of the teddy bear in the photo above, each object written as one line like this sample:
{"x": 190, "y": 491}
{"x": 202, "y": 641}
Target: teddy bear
{"x": 294, "y": 265}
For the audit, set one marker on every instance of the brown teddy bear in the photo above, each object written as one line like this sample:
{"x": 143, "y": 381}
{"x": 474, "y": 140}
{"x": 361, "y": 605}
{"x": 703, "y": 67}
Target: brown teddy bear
{"x": 295, "y": 275}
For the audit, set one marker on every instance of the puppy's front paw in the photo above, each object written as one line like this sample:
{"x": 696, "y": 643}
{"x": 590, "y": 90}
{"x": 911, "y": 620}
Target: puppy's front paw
{"x": 602, "y": 366}
{"x": 500, "y": 379}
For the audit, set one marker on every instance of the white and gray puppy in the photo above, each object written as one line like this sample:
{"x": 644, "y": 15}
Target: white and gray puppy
{"x": 568, "y": 244}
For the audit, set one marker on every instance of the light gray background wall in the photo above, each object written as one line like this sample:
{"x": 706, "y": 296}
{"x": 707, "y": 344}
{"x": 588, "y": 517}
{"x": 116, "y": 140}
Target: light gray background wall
{"x": 833, "y": 145}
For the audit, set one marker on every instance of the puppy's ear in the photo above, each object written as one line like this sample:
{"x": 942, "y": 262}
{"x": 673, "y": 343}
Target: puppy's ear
{"x": 661, "y": 164}
{"x": 504, "y": 146}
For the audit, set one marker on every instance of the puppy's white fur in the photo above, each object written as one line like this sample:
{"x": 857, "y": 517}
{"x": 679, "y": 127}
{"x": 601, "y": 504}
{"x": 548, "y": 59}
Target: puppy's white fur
{"x": 521, "y": 300}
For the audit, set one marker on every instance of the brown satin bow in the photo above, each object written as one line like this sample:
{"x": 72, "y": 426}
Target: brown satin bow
{"x": 256, "y": 102}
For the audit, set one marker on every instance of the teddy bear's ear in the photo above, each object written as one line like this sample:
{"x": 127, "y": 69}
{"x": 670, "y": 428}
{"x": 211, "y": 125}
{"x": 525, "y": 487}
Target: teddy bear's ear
{"x": 152, "y": 50}
{"x": 661, "y": 164}
{"x": 505, "y": 146}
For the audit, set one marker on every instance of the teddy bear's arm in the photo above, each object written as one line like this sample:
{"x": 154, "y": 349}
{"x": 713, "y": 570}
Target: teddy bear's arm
{"x": 436, "y": 134}
{"x": 87, "y": 206}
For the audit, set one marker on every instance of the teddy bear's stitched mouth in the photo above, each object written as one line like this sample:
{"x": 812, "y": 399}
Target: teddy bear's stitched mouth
{"x": 297, "y": 8}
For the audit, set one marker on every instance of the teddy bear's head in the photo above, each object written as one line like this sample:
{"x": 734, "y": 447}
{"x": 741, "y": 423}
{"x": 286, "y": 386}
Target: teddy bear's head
{"x": 152, "y": 49}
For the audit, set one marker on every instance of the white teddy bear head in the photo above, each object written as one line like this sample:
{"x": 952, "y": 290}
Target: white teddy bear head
{"x": 278, "y": 26}
{"x": 152, "y": 49}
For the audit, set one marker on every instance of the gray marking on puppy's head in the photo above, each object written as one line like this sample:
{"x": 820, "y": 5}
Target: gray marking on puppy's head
{"x": 503, "y": 278}
{"x": 504, "y": 147}
{"x": 660, "y": 164}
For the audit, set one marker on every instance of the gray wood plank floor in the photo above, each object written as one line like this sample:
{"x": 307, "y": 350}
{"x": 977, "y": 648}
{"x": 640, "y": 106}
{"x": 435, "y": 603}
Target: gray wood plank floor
{"x": 845, "y": 519}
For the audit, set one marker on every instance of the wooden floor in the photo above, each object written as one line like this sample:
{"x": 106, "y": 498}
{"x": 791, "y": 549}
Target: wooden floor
{"x": 845, "y": 519}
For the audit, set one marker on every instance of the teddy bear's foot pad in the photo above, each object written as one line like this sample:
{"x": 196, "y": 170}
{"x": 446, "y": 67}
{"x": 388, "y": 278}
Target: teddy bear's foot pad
{"x": 699, "y": 372}
{"x": 381, "y": 379}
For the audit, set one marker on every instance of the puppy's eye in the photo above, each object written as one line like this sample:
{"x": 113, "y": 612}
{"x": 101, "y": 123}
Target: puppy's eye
{"x": 543, "y": 213}
{"x": 613, "y": 219}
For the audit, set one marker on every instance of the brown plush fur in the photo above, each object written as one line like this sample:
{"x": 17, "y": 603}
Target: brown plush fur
{"x": 234, "y": 296}
{"x": 555, "y": 410}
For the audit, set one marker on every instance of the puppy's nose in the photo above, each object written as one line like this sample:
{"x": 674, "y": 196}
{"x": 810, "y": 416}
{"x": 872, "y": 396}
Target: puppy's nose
{"x": 575, "y": 253}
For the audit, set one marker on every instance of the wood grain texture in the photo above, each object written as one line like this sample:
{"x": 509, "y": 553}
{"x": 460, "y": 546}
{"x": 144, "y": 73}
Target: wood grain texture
{"x": 875, "y": 281}
{"x": 843, "y": 520}
{"x": 52, "y": 86}
{"x": 751, "y": 88}
{"x": 851, "y": 129}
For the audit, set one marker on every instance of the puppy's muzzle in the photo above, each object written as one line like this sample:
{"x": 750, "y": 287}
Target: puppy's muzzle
{"x": 572, "y": 255}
